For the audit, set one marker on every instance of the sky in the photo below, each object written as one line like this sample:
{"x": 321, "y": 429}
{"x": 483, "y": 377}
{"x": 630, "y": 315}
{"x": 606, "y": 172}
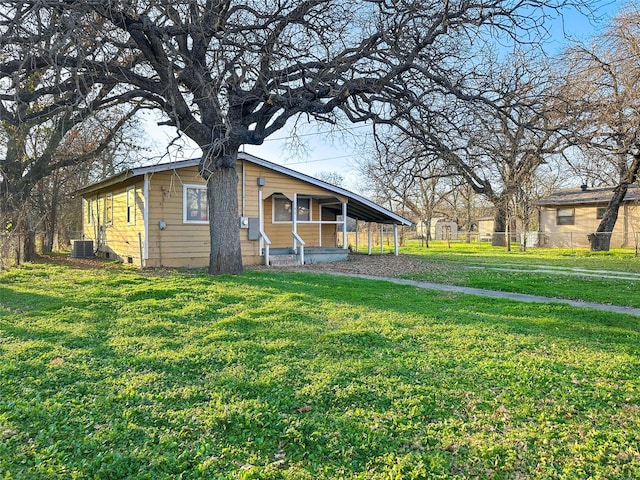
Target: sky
{"x": 317, "y": 149}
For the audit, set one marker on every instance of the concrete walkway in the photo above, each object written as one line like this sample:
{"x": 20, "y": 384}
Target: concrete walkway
{"x": 518, "y": 297}
{"x": 570, "y": 271}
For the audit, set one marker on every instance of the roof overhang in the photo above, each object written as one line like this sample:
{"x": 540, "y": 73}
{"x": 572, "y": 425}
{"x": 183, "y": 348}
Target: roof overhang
{"x": 590, "y": 196}
{"x": 358, "y": 207}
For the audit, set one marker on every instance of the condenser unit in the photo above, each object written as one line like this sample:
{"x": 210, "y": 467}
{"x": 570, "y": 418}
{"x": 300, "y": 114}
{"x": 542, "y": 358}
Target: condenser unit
{"x": 82, "y": 249}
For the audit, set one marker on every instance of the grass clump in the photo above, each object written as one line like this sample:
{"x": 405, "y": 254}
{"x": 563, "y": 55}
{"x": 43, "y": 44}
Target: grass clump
{"x": 117, "y": 374}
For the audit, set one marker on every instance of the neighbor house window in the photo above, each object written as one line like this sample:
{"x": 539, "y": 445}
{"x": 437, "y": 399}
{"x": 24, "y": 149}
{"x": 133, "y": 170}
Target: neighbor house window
{"x": 600, "y": 212}
{"x": 108, "y": 209}
{"x": 194, "y": 201}
{"x": 282, "y": 209}
{"x": 565, "y": 216}
{"x": 131, "y": 206}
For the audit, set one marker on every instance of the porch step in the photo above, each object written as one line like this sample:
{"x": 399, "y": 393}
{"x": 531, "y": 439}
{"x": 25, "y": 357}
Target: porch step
{"x": 280, "y": 260}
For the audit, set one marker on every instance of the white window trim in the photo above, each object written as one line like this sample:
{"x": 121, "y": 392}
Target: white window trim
{"x": 186, "y": 187}
{"x": 90, "y": 211}
{"x": 108, "y": 205}
{"x": 300, "y": 197}
{"x": 572, "y": 216}
{"x": 132, "y": 220}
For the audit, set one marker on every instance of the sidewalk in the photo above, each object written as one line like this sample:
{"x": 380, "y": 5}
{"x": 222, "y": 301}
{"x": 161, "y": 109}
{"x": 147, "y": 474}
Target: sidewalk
{"x": 518, "y": 297}
{"x": 570, "y": 271}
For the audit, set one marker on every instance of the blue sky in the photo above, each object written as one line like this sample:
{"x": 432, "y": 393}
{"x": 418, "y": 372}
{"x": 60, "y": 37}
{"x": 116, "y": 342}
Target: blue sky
{"x": 323, "y": 151}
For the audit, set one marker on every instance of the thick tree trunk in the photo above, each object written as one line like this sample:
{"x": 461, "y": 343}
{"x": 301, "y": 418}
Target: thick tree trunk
{"x": 25, "y": 246}
{"x": 600, "y": 240}
{"x": 499, "y": 225}
{"x": 224, "y": 232}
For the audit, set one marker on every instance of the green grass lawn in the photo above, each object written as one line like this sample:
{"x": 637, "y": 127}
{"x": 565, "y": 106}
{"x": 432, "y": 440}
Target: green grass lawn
{"x": 620, "y": 259}
{"x": 109, "y": 374}
{"x": 483, "y": 266}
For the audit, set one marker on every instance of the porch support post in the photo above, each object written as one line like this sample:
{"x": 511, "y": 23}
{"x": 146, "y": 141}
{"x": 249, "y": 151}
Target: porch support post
{"x": 357, "y": 235}
{"x": 260, "y": 220}
{"x": 319, "y": 225}
{"x": 369, "y": 240}
{"x": 294, "y": 219}
{"x": 344, "y": 225}
{"x": 145, "y": 214}
{"x": 381, "y": 238}
{"x": 395, "y": 239}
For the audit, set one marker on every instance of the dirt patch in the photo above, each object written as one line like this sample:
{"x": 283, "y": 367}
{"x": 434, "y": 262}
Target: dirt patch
{"x": 377, "y": 265}
{"x": 80, "y": 263}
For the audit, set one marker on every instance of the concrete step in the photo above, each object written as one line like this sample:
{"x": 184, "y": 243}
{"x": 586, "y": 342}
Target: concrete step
{"x": 283, "y": 260}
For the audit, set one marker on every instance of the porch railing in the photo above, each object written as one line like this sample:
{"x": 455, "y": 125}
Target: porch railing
{"x": 267, "y": 243}
{"x": 297, "y": 238}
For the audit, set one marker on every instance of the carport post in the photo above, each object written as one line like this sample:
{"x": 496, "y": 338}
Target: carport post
{"x": 356, "y": 234}
{"x": 369, "y": 240}
{"x": 344, "y": 225}
{"x": 395, "y": 239}
{"x": 382, "y": 238}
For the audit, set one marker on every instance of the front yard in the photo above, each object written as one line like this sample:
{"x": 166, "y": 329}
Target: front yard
{"x": 118, "y": 374}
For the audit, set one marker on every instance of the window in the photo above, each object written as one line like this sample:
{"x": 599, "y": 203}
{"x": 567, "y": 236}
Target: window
{"x": 89, "y": 211}
{"x": 282, "y": 209}
{"x": 304, "y": 209}
{"x": 131, "y": 206}
{"x": 108, "y": 209}
{"x": 194, "y": 201}
{"x": 565, "y": 216}
{"x": 600, "y": 212}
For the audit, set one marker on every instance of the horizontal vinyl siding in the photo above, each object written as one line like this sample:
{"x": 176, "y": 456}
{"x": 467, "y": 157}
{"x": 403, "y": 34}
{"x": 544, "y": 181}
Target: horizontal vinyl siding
{"x": 119, "y": 239}
{"x": 179, "y": 244}
{"x": 277, "y": 183}
{"x": 187, "y": 245}
{"x": 586, "y": 222}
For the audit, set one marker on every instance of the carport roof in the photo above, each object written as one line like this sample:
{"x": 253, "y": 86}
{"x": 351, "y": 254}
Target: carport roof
{"x": 358, "y": 207}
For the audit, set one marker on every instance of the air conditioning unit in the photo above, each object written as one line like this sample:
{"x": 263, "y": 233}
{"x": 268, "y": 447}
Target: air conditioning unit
{"x": 82, "y": 249}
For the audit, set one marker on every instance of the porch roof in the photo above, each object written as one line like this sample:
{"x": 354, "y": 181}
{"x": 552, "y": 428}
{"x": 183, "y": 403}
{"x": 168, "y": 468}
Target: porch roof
{"x": 358, "y": 207}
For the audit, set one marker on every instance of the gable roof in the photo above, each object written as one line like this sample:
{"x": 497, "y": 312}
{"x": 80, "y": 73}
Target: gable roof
{"x": 589, "y": 196}
{"x": 357, "y": 206}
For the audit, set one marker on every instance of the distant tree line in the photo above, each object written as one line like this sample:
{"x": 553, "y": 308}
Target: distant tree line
{"x": 532, "y": 122}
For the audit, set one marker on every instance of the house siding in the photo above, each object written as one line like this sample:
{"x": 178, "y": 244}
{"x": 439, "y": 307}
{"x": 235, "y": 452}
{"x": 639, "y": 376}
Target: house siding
{"x": 117, "y": 239}
{"x": 586, "y": 222}
{"x": 182, "y": 244}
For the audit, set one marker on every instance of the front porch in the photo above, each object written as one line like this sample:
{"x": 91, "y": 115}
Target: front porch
{"x": 303, "y": 220}
{"x": 302, "y": 228}
{"x": 281, "y": 257}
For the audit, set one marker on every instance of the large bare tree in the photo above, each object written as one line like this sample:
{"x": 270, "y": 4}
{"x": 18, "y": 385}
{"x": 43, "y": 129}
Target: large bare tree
{"x": 227, "y": 73}
{"x": 399, "y": 174}
{"x": 602, "y": 95}
{"x": 45, "y": 105}
{"x": 494, "y": 133}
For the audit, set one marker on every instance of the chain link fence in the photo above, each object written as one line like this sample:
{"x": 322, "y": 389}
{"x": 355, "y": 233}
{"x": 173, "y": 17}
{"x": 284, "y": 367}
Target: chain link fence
{"x": 576, "y": 239}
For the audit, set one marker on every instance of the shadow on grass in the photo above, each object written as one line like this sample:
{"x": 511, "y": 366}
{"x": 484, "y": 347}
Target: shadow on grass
{"x": 553, "y": 319}
{"x": 213, "y": 376}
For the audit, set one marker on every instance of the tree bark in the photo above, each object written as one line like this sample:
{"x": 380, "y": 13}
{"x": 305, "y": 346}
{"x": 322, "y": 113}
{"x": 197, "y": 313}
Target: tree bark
{"x": 499, "y": 225}
{"x": 600, "y": 240}
{"x": 222, "y": 195}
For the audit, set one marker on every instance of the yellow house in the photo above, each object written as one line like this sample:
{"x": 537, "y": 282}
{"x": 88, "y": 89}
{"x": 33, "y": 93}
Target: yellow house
{"x": 568, "y": 216}
{"x": 157, "y": 216}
